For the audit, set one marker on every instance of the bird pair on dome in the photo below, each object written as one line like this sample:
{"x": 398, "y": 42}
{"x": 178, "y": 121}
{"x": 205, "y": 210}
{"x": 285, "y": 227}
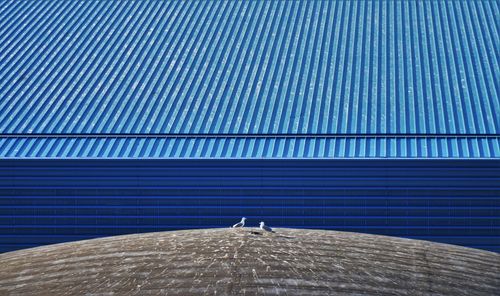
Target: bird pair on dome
{"x": 262, "y": 225}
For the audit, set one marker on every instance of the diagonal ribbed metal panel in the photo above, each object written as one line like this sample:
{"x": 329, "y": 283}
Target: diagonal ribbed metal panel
{"x": 250, "y": 147}
{"x": 50, "y": 201}
{"x": 258, "y": 67}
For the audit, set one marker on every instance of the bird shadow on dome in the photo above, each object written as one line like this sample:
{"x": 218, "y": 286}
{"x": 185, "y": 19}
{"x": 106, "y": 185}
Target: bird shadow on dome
{"x": 253, "y": 232}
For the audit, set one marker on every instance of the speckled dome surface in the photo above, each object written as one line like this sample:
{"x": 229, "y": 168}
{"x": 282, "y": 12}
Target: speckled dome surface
{"x": 249, "y": 262}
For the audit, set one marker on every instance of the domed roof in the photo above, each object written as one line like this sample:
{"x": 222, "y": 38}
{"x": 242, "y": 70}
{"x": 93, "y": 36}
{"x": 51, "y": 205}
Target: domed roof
{"x": 248, "y": 262}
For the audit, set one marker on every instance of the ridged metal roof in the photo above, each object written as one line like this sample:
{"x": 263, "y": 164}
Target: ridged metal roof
{"x": 251, "y": 68}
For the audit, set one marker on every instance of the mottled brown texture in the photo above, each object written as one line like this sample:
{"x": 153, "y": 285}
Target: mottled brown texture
{"x": 249, "y": 262}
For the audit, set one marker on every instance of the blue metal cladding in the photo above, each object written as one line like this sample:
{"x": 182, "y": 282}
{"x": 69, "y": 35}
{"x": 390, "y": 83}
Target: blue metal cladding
{"x": 234, "y": 147}
{"x": 249, "y": 67}
{"x": 290, "y": 100}
{"x": 51, "y": 201}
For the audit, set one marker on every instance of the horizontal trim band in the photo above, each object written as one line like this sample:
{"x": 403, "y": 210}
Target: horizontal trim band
{"x": 216, "y": 135}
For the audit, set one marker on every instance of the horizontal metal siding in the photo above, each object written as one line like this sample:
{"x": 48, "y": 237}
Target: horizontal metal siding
{"x": 365, "y": 67}
{"x": 50, "y": 201}
{"x": 250, "y": 147}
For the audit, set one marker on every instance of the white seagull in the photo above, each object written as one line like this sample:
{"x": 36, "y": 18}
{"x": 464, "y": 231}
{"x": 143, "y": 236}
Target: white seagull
{"x": 240, "y": 224}
{"x": 265, "y": 228}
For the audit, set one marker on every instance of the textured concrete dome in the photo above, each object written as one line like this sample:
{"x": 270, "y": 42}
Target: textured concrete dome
{"x": 248, "y": 262}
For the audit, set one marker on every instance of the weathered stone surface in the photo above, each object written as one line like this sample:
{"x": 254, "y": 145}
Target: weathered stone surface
{"x": 248, "y": 262}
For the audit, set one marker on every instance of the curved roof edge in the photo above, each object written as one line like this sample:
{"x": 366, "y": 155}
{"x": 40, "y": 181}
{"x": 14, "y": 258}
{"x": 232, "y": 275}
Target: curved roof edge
{"x": 249, "y": 261}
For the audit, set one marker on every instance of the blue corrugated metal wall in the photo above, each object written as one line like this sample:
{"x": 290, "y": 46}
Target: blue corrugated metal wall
{"x": 249, "y": 67}
{"x": 50, "y": 201}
